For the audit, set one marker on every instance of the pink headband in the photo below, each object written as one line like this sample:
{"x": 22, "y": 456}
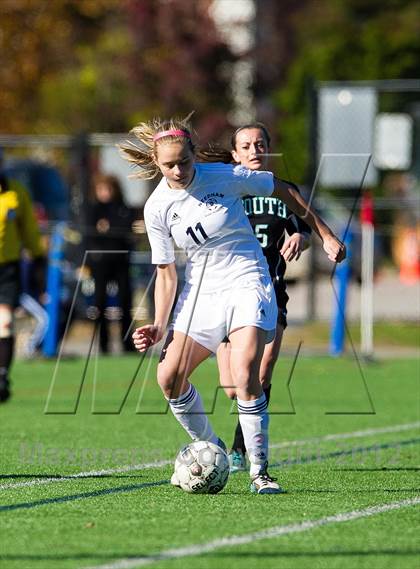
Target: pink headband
{"x": 173, "y": 132}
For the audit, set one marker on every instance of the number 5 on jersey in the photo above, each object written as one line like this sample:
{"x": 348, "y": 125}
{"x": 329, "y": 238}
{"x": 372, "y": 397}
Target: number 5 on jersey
{"x": 261, "y": 235}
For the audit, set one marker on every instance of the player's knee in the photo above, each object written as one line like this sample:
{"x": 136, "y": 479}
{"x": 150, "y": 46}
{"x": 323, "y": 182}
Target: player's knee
{"x": 242, "y": 375}
{"x": 169, "y": 382}
{"x": 246, "y": 381}
{"x": 164, "y": 381}
{"x": 6, "y": 322}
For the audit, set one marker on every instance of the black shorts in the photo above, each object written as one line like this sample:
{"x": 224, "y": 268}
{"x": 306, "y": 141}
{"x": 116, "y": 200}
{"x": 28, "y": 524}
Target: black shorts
{"x": 282, "y": 299}
{"x": 9, "y": 283}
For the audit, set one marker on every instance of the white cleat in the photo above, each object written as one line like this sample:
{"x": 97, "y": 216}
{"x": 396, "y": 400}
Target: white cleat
{"x": 265, "y": 484}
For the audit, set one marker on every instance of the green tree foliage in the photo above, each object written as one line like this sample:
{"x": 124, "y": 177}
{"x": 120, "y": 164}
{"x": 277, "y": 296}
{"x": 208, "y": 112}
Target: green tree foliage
{"x": 101, "y": 65}
{"x": 343, "y": 40}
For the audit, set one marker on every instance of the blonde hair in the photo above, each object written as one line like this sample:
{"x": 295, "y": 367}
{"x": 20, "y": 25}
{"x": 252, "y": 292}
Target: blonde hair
{"x": 143, "y": 155}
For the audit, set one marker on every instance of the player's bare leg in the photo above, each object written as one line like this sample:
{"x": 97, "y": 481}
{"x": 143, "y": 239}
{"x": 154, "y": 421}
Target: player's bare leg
{"x": 237, "y": 458}
{"x": 225, "y": 376}
{"x": 269, "y": 359}
{"x": 180, "y": 356}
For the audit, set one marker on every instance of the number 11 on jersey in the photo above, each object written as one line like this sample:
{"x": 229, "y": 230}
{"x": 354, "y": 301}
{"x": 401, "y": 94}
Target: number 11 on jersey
{"x": 190, "y": 231}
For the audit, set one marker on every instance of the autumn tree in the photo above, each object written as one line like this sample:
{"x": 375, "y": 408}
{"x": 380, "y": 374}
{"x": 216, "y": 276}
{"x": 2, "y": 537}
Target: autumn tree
{"x": 179, "y": 62}
{"x": 101, "y": 65}
{"x": 45, "y": 57}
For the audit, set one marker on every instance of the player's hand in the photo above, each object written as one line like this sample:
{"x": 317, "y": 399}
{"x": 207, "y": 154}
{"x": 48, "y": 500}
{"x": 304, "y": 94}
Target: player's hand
{"x": 293, "y": 247}
{"x": 146, "y": 336}
{"x": 335, "y": 249}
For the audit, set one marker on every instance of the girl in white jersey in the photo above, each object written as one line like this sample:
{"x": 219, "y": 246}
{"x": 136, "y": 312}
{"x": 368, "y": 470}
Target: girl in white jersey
{"x": 228, "y": 290}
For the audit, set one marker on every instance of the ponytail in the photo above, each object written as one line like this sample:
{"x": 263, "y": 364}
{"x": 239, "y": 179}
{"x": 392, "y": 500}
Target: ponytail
{"x": 214, "y": 153}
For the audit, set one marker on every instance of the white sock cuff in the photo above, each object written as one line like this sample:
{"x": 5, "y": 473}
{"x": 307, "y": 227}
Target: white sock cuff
{"x": 184, "y": 399}
{"x": 253, "y": 407}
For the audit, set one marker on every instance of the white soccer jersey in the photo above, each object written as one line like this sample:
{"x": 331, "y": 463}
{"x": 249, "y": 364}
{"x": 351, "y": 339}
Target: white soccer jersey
{"x": 207, "y": 221}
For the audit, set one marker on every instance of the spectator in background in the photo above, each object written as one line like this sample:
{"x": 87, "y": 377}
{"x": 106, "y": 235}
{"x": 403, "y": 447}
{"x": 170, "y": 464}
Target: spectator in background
{"x": 33, "y": 287}
{"x": 109, "y": 236}
{"x": 18, "y": 230}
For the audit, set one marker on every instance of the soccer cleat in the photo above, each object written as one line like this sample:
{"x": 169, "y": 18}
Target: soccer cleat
{"x": 237, "y": 461}
{"x": 263, "y": 483}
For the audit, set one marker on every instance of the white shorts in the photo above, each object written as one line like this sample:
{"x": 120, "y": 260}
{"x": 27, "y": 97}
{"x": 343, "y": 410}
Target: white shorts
{"x": 209, "y": 317}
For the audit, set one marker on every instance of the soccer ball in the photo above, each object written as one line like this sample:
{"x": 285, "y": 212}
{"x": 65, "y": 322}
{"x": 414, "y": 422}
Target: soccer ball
{"x": 202, "y": 468}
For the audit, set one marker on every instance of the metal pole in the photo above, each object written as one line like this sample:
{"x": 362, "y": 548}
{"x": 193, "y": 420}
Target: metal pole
{"x": 54, "y": 279}
{"x": 366, "y": 290}
{"x": 341, "y": 285}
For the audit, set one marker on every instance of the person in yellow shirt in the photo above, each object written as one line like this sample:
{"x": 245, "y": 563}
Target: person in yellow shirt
{"x": 18, "y": 230}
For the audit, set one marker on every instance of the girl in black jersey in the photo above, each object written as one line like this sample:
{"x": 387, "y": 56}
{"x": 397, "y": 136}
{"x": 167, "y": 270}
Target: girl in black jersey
{"x": 270, "y": 219}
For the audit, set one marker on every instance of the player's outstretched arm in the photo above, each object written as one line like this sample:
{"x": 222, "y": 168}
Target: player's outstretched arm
{"x": 334, "y": 248}
{"x": 165, "y": 290}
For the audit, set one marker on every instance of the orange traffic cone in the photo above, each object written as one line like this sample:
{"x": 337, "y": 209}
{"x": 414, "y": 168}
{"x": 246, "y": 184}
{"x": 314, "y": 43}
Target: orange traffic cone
{"x": 410, "y": 258}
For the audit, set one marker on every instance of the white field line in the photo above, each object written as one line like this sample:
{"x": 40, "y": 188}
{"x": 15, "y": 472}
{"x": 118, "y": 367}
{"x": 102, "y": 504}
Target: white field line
{"x": 159, "y": 464}
{"x": 269, "y": 533}
{"x": 67, "y": 477}
{"x": 352, "y": 435}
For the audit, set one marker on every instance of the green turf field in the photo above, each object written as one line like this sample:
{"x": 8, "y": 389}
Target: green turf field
{"x": 344, "y": 440}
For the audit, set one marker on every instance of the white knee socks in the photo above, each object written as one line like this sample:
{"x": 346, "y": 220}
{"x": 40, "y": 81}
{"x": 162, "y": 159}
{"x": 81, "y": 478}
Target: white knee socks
{"x": 254, "y": 421}
{"x": 188, "y": 410}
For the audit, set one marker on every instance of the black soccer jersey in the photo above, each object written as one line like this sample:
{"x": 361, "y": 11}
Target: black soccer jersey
{"x": 270, "y": 218}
